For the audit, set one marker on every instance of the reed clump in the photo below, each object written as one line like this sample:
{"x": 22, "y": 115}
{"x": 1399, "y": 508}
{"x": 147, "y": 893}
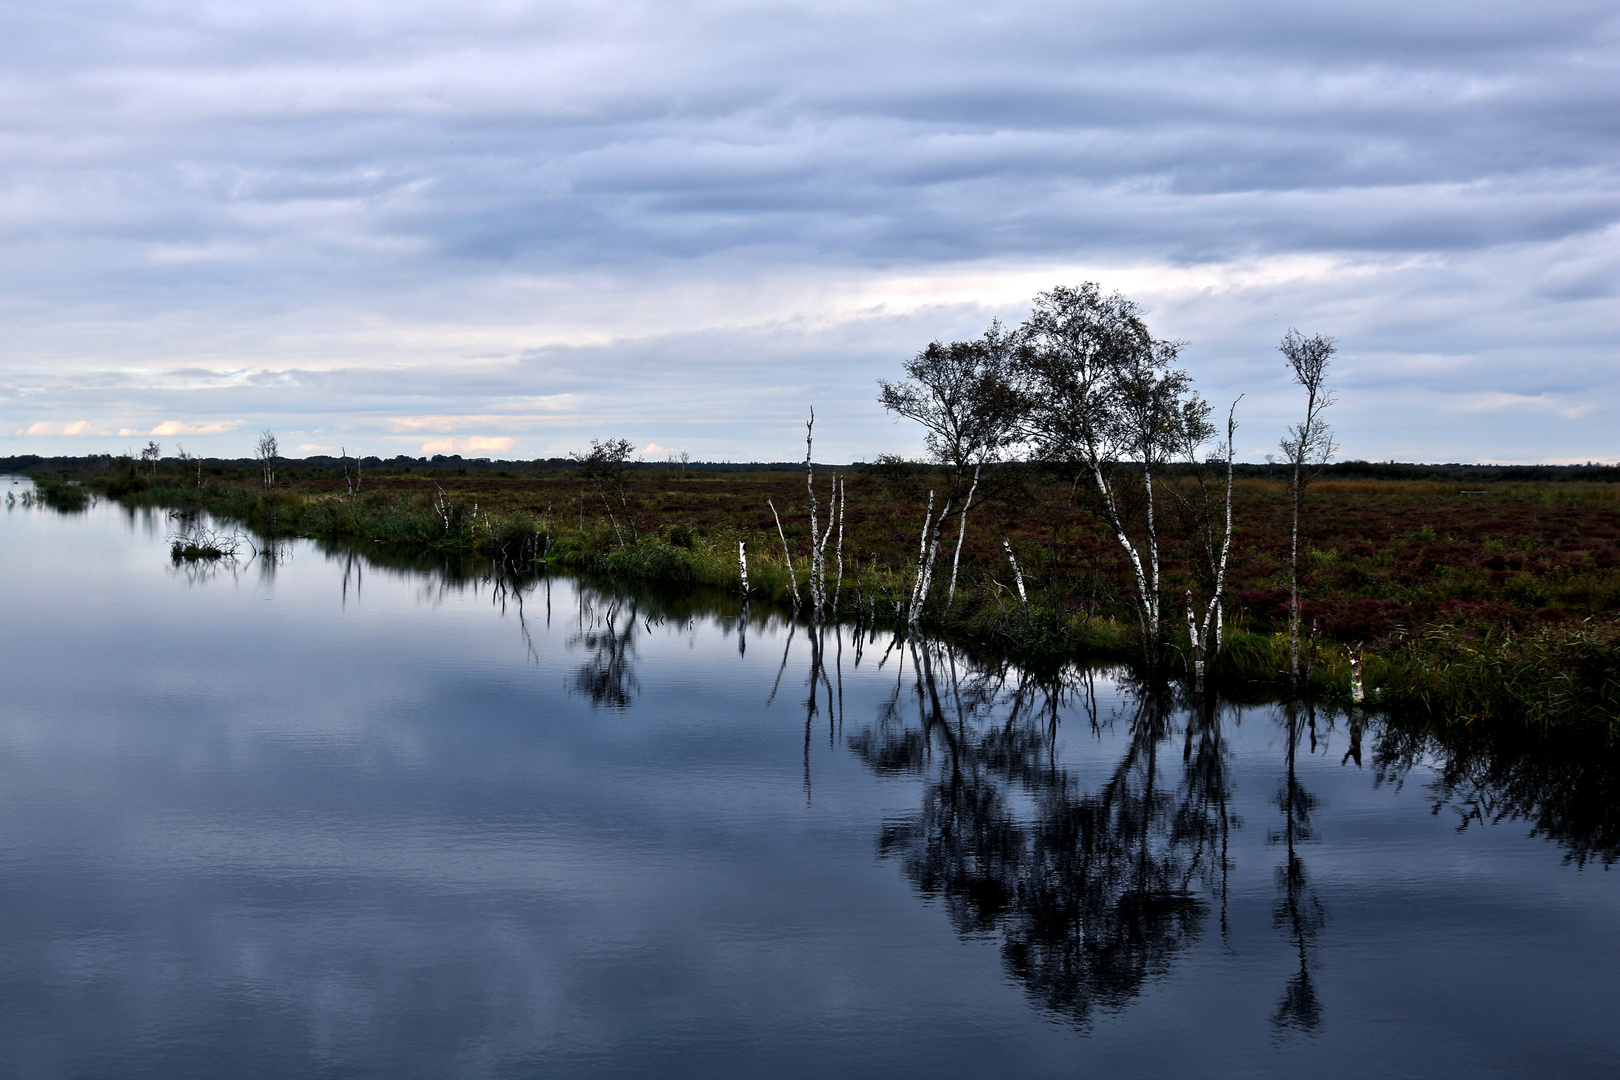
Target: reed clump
{"x": 59, "y": 493}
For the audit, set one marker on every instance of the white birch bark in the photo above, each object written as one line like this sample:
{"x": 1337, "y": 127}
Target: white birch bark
{"x": 933, "y": 554}
{"x": 787, "y": 556}
{"x": 810, "y": 487}
{"x": 742, "y": 565}
{"x": 956, "y": 562}
{"x": 1196, "y": 643}
{"x": 912, "y": 613}
{"x": 1147, "y": 612}
{"x": 1293, "y": 582}
{"x": 821, "y": 545}
{"x": 838, "y": 586}
{"x": 1213, "y": 610}
{"x": 1018, "y": 573}
{"x": 1152, "y": 536}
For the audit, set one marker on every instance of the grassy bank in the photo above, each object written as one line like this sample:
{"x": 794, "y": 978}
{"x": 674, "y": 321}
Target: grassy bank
{"x": 1475, "y": 609}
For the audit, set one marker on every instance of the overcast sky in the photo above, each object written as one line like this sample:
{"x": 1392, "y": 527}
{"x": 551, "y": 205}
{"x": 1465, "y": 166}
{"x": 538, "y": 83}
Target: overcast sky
{"x": 500, "y": 229}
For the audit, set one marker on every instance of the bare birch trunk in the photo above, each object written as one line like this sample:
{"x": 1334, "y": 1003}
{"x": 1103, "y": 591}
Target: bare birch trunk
{"x": 838, "y": 586}
{"x": 1018, "y": 574}
{"x": 1197, "y": 645}
{"x": 1213, "y": 610}
{"x": 1293, "y": 583}
{"x": 821, "y": 544}
{"x": 956, "y": 562}
{"x": 607, "y": 509}
{"x": 787, "y": 555}
{"x": 810, "y": 488}
{"x": 1152, "y": 539}
{"x": 635, "y": 534}
{"x": 933, "y": 553}
{"x": 1147, "y": 613}
{"x": 742, "y": 565}
{"x": 913, "y": 614}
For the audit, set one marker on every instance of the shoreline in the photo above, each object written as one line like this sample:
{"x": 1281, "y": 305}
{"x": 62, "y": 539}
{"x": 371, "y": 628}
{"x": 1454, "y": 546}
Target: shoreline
{"x": 1557, "y": 677}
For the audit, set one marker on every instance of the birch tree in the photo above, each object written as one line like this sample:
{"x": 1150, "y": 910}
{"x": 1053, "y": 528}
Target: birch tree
{"x": 963, "y": 395}
{"x": 1104, "y": 399}
{"x": 1207, "y": 517}
{"x": 819, "y": 599}
{"x": 1307, "y": 447}
{"x": 607, "y": 467}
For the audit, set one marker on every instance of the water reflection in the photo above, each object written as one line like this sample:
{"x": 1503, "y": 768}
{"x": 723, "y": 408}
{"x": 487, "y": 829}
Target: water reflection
{"x": 1298, "y": 910}
{"x": 426, "y": 851}
{"x": 1092, "y": 893}
{"x": 608, "y": 637}
{"x": 1566, "y": 788}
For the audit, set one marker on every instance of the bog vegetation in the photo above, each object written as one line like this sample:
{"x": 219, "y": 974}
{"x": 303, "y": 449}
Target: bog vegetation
{"x": 1079, "y": 500}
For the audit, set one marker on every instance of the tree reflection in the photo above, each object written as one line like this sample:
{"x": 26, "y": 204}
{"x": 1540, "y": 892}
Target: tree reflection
{"x": 1092, "y": 892}
{"x": 1564, "y": 785}
{"x": 608, "y": 636}
{"x": 1298, "y": 910}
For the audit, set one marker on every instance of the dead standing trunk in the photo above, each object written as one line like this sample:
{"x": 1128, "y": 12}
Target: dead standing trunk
{"x": 838, "y": 587}
{"x": 810, "y": 489}
{"x": 787, "y": 554}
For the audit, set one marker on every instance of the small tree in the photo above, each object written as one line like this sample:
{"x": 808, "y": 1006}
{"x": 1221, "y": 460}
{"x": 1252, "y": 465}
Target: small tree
{"x": 962, "y": 393}
{"x": 265, "y": 450}
{"x": 150, "y": 457}
{"x": 1104, "y": 398}
{"x": 608, "y": 467}
{"x": 1307, "y": 447}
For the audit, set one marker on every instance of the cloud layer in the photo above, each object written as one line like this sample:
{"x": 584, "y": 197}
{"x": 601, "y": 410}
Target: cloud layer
{"x": 415, "y": 225}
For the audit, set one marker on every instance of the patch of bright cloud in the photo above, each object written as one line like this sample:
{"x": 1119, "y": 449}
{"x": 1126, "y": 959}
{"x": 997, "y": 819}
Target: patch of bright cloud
{"x": 180, "y": 427}
{"x": 1500, "y": 401}
{"x": 473, "y": 444}
{"x": 440, "y": 423}
{"x": 46, "y": 427}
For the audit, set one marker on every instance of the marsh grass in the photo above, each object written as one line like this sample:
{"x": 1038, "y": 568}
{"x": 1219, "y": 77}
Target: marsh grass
{"x": 1481, "y": 609}
{"x": 67, "y": 496}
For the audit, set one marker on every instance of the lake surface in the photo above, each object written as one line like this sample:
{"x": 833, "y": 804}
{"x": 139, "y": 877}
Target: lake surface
{"x": 317, "y": 816}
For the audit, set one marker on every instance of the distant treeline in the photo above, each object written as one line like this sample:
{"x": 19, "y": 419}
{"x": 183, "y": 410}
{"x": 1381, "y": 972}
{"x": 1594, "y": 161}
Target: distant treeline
{"x": 1453, "y": 472}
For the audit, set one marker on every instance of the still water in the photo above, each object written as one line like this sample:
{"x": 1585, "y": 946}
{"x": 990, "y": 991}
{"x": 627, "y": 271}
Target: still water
{"x": 319, "y": 816}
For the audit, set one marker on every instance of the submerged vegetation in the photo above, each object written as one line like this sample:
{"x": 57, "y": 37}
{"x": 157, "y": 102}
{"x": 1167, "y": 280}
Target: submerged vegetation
{"x": 200, "y": 544}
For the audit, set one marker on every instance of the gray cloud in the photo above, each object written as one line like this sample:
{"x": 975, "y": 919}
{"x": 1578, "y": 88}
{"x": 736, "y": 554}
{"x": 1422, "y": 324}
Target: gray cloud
{"x": 673, "y": 215}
